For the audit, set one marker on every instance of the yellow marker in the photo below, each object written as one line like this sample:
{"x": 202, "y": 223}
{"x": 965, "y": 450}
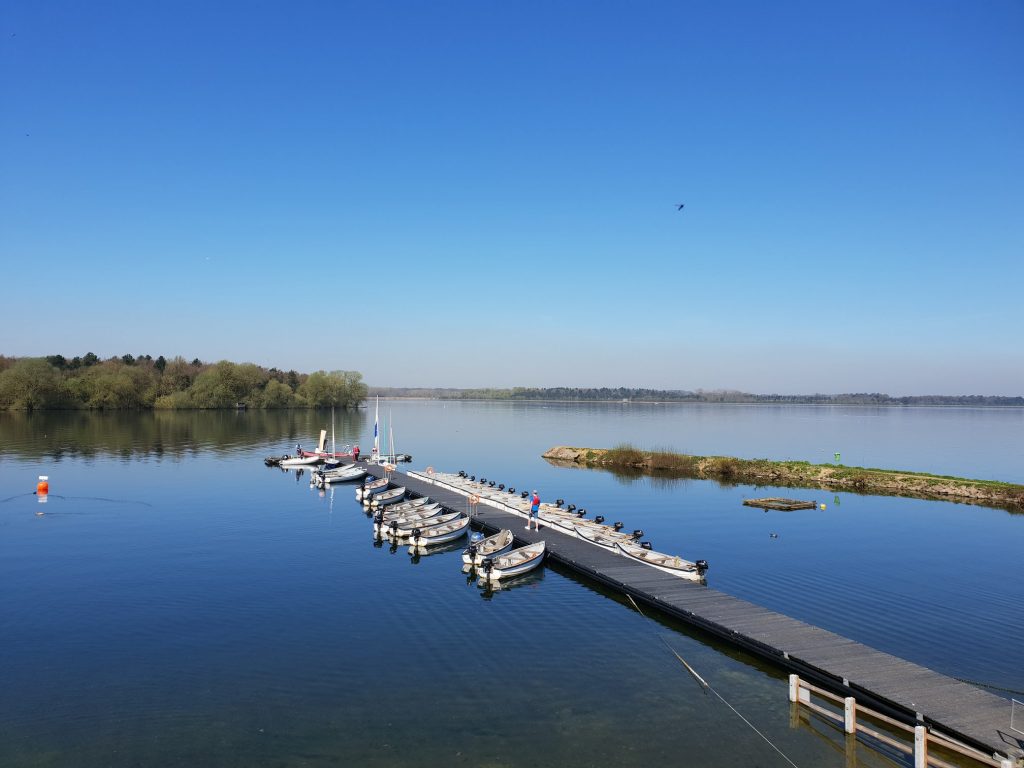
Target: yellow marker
{"x": 822, "y": 506}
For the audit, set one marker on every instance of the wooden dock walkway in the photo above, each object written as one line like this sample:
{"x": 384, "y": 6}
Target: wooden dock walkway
{"x": 906, "y": 691}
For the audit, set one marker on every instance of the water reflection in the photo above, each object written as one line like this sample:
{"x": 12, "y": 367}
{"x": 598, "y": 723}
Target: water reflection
{"x": 490, "y": 588}
{"x": 58, "y": 435}
{"x": 418, "y": 553}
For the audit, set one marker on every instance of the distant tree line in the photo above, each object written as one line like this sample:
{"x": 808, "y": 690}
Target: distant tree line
{"x": 131, "y": 383}
{"x": 686, "y": 396}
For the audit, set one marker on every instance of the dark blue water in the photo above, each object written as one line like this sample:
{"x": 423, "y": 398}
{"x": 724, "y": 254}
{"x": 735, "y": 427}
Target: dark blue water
{"x": 180, "y": 604}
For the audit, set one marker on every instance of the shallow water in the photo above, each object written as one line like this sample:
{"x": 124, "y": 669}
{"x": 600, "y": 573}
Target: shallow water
{"x": 180, "y": 604}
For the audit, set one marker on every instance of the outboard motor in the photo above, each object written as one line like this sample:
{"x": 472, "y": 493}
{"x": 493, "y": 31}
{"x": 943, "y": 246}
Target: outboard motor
{"x": 487, "y": 566}
{"x": 599, "y": 519}
{"x": 638, "y": 534}
{"x": 378, "y": 516}
{"x": 581, "y": 512}
{"x": 473, "y": 478}
{"x": 394, "y": 528}
{"x": 524, "y": 494}
{"x": 645, "y": 545}
{"x": 415, "y": 536}
{"x": 559, "y": 502}
{"x": 483, "y": 481}
{"x": 462, "y": 473}
{"x": 570, "y": 508}
{"x": 501, "y": 486}
{"x": 617, "y": 526}
{"x": 511, "y": 489}
{"x": 491, "y": 484}
{"x": 702, "y": 566}
{"x": 471, "y": 551}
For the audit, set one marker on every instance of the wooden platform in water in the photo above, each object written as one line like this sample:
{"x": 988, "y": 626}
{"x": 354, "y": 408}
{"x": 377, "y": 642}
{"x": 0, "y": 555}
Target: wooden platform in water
{"x": 906, "y": 690}
{"x": 786, "y": 505}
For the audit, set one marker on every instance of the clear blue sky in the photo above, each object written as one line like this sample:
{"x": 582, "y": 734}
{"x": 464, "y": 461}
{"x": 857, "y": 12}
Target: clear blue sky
{"x": 483, "y": 193}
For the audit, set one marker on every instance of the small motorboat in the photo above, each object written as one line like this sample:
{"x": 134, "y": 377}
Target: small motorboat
{"x": 673, "y": 564}
{"x": 438, "y": 534}
{"x": 492, "y": 546}
{"x": 384, "y": 498}
{"x": 410, "y": 504}
{"x": 404, "y": 529}
{"x": 398, "y": 511}
{"x": 345, "y": 474}
{"x": 607, "y": 539}
{"x": 513, "y": 563}
{"x": 383, "y": 518}
{"x": 368, "y": 489}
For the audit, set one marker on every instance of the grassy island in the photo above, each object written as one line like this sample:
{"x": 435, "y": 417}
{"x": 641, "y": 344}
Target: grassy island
{"x": 794, "y": 474}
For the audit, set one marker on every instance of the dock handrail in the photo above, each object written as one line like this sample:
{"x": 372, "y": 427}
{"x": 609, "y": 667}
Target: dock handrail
{"x": 800, "y": 693}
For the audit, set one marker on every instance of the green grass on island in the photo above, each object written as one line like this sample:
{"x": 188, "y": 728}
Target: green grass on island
{"x": 795, "y": 474}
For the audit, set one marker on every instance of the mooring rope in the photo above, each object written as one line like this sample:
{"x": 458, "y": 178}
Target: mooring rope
{"x": 707, "y": 687}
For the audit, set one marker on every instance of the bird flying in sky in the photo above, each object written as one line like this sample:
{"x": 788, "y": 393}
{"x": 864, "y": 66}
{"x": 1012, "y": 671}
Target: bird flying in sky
{"x": 680, "y": 206}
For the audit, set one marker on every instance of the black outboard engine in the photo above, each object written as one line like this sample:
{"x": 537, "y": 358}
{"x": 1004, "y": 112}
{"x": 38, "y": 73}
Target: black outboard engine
{"x": 617, "y": 526}
{"x": 473, "y": 478}
{"x": 378, "y": 516}
{"x": 599, "y": 519}
{"x": 487, "y": 566}
{"x": 524, "y": 494}
{"x": 483, "y": 481}
{"x": 702, "y": 566}
{"x": 511, "y": 489}
{"x": 491, "y": 484}
{"x": 415, "y": 536}
{"x": 581, "y": 512}
{"x": 393, "y": 526}
{"x": 559, "y": 502}
{"x": 638, "y": 534}
{"x": 570, "y": 508}
{"x": 501, "y": 486}
{"x": 645, "y": 545}
{"x": 471, "y": 551}
{"x": 462, "y": 473}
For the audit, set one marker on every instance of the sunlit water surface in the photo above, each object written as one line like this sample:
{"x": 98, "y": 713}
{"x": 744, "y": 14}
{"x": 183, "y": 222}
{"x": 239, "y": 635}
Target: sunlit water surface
{"x": 180, "y": 604}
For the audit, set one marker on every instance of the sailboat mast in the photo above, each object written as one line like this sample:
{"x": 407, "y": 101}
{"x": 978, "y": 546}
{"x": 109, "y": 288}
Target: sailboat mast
{"x": 376, "y": 435}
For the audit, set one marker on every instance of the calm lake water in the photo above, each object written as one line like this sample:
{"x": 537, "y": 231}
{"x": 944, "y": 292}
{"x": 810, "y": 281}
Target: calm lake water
{"x": 178, "y": 603}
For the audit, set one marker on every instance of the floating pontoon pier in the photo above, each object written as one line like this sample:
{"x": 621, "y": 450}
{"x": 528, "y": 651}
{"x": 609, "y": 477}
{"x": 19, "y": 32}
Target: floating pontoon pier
{"x": 786, "y": 505}
{"x": 899, "y": 689}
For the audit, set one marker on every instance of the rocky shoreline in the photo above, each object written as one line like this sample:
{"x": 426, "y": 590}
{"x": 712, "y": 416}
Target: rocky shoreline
{"x": 795, "y": 474}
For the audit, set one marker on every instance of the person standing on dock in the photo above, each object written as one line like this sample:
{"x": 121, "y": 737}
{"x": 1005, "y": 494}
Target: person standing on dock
{"x": 355, "y": 453}
{"x": 534, "y": 512}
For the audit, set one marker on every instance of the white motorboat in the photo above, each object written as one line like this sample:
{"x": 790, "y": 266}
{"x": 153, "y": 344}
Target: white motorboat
{"x": 513, "y": 563}
{"x": 368, "y": 489}
{"x": 673, "y": 564}
{"x": 438, "y": 534}
{"x": 492, "y": 546}
{"x": 384, "y": 498}
{"x": 404, "y": 529}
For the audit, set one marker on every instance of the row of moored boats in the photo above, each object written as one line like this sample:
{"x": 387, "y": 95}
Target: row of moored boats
{"x": 424, "y": 523}
{"x": 569, "y": 520}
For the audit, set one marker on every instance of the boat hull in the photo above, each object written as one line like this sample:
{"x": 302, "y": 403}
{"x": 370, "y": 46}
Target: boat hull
{"x": 492, "y": 546}
{"x": 440, "y": 534}
{"x": 514, "y": 563}
{"x": 685, "y": 569}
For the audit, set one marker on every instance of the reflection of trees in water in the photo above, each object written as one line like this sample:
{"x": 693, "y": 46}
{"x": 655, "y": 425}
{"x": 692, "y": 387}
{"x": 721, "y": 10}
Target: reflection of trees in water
{"x": 56, "y": 434}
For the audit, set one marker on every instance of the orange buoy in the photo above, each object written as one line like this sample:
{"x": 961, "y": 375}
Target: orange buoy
{"x": 43, "y": 486}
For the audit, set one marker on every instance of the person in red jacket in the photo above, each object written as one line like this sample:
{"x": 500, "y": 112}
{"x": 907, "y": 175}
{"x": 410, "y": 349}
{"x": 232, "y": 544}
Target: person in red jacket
{"x": 534, "y": 512}
{"x": 355, "y": 453}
